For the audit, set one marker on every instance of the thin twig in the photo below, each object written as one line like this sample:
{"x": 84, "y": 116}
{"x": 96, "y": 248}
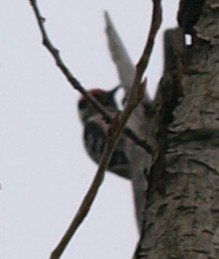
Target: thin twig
{"x": 145, "y": 57}
{"x": 55, "y": 53}
{"x": 116, "y": 129}
{"x": 136, "y": 92}
{"x": 155, "y": 25}
{"x": 117, "y": 125}
{"x": 88, "y": 199}
{"x": 74, "y": 82}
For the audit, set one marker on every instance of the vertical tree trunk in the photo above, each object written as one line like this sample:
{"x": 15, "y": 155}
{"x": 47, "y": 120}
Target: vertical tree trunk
{"x": 182, "y": 218}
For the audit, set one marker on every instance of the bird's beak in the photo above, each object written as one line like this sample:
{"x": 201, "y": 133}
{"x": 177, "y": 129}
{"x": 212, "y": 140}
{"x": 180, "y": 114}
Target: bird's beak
{"x": 115, "y": 89}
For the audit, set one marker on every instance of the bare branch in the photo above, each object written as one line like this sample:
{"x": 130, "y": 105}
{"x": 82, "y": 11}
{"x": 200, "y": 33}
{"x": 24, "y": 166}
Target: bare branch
{"x": 155, "y": 25}
{"x": 115, "y": 130}
{"x": 89, "y": 197}
{"x": 74, "y": 82}
{"x": 117, "y": 125}
{"x": 134, "y": 97}
{"x": 55, "y": 54}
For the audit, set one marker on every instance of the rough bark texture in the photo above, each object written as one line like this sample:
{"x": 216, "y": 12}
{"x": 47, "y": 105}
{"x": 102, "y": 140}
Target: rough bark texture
{"x": 182, "y": 217}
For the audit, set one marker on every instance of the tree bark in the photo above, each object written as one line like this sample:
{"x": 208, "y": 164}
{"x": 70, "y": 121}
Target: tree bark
{"x": 182, "y": 215}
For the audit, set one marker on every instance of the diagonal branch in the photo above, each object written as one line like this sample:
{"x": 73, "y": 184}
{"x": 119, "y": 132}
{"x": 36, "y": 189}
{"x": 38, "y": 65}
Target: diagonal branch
{"x": 55, "y": 54}
{"x": 115, "y": 130}
{"x": 137, "y": 90}
{"x": 145, "y": 57}
{"x": 117, "y": 125}
{"x": 155, "y": 25}
{"x": 74, "y": 82}
{"x": 89, "y": 197}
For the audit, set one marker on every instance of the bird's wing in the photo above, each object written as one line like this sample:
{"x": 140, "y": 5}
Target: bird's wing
{"x": 119, "y": 54}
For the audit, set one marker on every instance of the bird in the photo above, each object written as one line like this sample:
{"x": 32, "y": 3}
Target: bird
{"x": 96, "y": 128}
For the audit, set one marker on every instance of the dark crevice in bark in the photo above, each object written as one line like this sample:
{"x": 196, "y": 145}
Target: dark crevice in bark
{"x": 182, "y": 214}
{"x": 170, "y": 92}
{"x": 189, "y": 13}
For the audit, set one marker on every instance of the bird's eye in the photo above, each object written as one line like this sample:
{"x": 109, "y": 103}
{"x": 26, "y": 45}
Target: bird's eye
{"x": 82, "y": 104}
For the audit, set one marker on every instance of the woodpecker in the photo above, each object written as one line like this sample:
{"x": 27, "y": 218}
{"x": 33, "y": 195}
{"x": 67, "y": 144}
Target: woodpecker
{"x": 96, "y": 128}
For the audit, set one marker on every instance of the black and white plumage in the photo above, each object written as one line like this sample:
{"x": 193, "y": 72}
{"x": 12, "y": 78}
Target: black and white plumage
{"x": 128, "y": 160}
{"x": 96, "y": 128}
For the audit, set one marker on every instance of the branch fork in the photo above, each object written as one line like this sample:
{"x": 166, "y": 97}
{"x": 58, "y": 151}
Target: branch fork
{"x": 117, "y": 124}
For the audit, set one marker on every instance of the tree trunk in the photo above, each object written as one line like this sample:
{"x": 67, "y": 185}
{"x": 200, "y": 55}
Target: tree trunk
{"x": 182, "y": 216}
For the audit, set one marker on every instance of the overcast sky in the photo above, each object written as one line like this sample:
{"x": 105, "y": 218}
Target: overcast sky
{"x": 45, "y": 171}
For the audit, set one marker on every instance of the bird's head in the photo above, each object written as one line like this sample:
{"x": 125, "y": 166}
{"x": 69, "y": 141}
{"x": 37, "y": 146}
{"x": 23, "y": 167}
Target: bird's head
{"x": 105, "y": 98}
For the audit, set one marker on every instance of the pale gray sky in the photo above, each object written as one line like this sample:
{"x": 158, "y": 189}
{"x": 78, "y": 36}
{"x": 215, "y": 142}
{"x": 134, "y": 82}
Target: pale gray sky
{"x": 45, "y": 171}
